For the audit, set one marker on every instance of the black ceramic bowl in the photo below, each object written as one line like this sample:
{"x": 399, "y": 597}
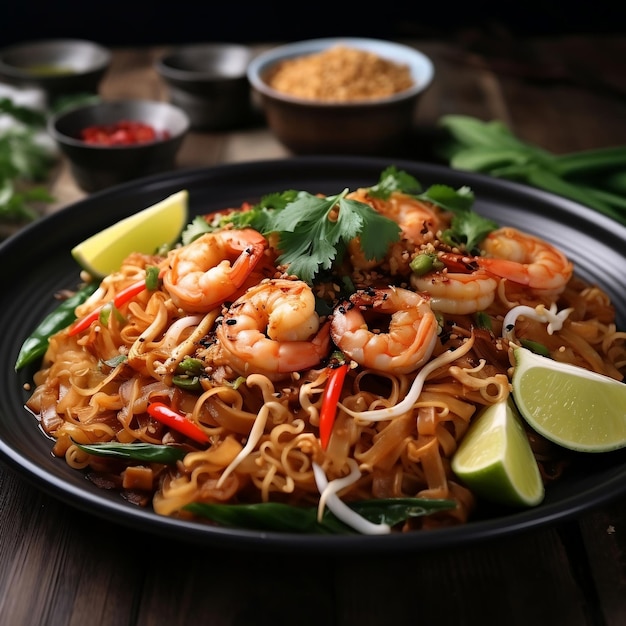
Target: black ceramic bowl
{"x": 57, "y": 66}
{"x": 96, "y": 166}
{"x": 359, "y": 126}
{"x": 209, "y": 82}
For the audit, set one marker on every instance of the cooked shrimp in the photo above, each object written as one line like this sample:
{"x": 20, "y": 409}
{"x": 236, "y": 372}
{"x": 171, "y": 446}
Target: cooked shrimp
{"x": 410, "y": 337}
{"x": 418, "y": 224}
{"x": 514, "y": 255}
{"x": 208, "y": 271}
{"x": 273, "y": 329}
{"x": 457, "y": 293}
{"x": 416, "y": 218}
{"x": 524, "y": 259}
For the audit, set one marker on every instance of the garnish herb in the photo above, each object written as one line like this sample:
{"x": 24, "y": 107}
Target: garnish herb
{"x": 313, "y": 234}
{"x": 280, "y": 517}
{"x": 314, "y": 231}
{"x": 147, "y": 452}
{"x": 392, "y": 179}
{"x": 594, "y": 178}
{"x": 35, "y": 346}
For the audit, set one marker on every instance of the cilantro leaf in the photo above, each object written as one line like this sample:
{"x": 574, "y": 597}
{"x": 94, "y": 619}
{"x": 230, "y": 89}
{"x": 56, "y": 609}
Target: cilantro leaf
{"x": 392, "y": 179}
{"x": 377, "y": 233}
{"x": 446, "y": 197}
{"x": 468, "y": 229}
{"x": 260, "y": 215}
{"x": 312, "y": 234}
{"x": 198, "y": 226}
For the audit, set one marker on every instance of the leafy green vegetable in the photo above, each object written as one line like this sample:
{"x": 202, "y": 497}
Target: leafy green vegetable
{"x": 467, "y": 230}
{"x": 283, "y": 517}
{"x": 392, "y": 179}
{"x": 27, "y": 116}
{"x": 198, "y": 227}
{"x": 23, "y": 161}
{"x": 594, "y": 178}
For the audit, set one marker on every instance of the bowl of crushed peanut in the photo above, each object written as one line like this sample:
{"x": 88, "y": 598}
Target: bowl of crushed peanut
{"x": 341, "y": 95}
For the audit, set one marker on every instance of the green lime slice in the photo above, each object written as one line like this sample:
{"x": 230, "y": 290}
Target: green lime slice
{"x": 569, "y": 405}
{"x": 495, "y": 460}
{"x": 145, "y": 231}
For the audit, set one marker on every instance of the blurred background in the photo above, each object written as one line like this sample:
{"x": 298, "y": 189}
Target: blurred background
{"x": 119, "y": 23}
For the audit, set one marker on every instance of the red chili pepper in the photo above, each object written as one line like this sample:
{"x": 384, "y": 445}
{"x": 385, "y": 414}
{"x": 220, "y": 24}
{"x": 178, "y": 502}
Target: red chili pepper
{"x": 121, "y": 298}
{"x": 124, "y": 132}
{"x": 164, "y": 414}
{"x": 328, "y": 411}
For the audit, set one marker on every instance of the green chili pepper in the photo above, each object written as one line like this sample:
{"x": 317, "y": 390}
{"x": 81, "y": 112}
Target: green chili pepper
{"x": 188, "y": 383}
{"x": 189, "y": 372}
{"x": 482, "y": 320}
{"x": 190, "y": 366}
{"x": 424, "y": 263}
{"x": 36, "y": 344}
{"x": 536, "y": 347}
{"x": 152, "y": 277}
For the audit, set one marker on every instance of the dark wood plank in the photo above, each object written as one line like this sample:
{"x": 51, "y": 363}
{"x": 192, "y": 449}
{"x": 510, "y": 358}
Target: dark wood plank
{"x": 604, "y": 534}
{"x": 60, "y": 565}
{"x": 63, "y": 566}
{"x": 517, "y": 581}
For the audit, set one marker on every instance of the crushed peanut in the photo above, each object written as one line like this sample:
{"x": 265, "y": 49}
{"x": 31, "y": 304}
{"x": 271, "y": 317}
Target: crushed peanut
{"x": 340, "y": 74}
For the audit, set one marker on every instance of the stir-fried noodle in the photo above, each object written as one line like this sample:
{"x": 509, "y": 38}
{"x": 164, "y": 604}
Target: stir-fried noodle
{"x": 242, "y": 350}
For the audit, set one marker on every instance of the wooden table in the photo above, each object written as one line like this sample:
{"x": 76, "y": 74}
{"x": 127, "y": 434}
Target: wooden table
{"x": 62, "y": 566}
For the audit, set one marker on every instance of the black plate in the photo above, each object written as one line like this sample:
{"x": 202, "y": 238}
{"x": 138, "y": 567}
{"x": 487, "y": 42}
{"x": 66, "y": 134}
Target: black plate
{"x": 36, "y": 262}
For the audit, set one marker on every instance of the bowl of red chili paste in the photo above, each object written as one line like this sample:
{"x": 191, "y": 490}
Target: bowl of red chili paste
{"x": 111, "y": 142}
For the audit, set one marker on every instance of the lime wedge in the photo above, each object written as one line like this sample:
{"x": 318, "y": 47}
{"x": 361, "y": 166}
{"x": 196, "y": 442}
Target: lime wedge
{"x": 569, "y": 405}
{"x": 495, "y": 460}
{"x": 145, "y": 231}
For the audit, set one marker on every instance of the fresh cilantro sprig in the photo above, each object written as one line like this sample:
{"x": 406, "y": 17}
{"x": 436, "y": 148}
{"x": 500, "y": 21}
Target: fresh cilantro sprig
{"x": 312, "y": 235}
{"x": 392, "y": 179}
{"x": 467, "y": 228}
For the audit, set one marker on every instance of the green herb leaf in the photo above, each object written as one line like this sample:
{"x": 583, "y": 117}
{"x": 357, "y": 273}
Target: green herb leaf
{"x": 468, "y": 229}
{"x": 198, "y": 227}
{"x": 285, "y": 518}
{"x": 147, "y": 452}
{"x": 448, "y": 198}
{"x": 392, "y": 179}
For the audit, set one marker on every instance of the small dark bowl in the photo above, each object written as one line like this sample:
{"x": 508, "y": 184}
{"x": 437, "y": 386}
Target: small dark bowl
{"x": 209, "y": 82}
{"x": 376, "y": 126}
{"x": 59, "y": 67}
{"x": 96, "y": 166}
